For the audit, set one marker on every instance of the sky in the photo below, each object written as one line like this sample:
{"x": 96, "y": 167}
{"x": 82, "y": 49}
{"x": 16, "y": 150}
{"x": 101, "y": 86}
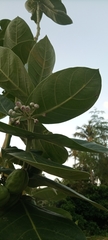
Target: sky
{"x": 83, "y": 43}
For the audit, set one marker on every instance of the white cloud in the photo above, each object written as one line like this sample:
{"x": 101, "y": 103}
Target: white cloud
{"x": 105, "y": 104}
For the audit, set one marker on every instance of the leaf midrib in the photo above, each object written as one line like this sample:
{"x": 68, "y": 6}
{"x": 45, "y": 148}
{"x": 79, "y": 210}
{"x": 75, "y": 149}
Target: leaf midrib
{"x": 33, "y": 225}
{"x": 64, "y": 102}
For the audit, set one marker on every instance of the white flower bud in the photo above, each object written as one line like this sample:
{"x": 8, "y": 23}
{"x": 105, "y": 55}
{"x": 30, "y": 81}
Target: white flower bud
{"x": 27, "y": 108}
{"x": 36, "y": 105}
{"x": 10, "y": 111}
{"x": 12, "y": 120}
{"x": 32, "y": 104}
{"x": 13, "y": 113}
{"x": 16, "y": 108}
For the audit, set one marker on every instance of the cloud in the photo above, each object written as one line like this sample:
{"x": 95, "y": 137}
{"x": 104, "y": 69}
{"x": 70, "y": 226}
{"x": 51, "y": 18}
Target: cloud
{"x": 105, "y": 104}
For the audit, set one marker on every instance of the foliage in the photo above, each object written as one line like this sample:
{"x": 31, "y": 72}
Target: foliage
{"x": 96, "y": 164}
{"x": 88, "y": 218}
{"x": 32, "y": 96}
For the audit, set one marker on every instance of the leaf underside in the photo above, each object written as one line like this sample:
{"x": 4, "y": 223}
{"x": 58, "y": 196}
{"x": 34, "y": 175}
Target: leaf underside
{"x": 26, "y": 221}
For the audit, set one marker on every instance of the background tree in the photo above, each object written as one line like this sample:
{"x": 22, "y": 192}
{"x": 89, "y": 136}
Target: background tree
{"x": 96, "y": 164}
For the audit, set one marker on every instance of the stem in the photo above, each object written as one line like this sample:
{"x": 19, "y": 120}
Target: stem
{"x": 7, "y": 139}
{"x": 30, "y": 125}
{"x": 38, "y": 23}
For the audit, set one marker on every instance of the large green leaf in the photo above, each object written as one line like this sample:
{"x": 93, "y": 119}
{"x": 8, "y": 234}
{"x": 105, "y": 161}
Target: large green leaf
{"x": 49, "y": 166}
{"x": 27, "y": 221}
{"x": 17, "y": 31}
{"x": 41, "y": 60}
{"x": 22, "y": 50}
{"x": 5, "y": 105}
{"x": 55, "y": 10}
{"x": 66, "y": 94}
{"x": 13, "y": 76}
{"x": 57, "y": 139}
{"x": 43, "y": 181}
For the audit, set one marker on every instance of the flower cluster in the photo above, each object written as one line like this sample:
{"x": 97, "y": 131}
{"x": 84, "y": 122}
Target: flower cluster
{"x": 22, "y": 112}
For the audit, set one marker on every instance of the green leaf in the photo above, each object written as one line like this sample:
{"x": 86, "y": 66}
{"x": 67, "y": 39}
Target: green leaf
{"x": 5, "y": 105}
{"x": 49, "y": 150}
{"x": 47, "y": 193}
{"x": 3, "y": 25}
{"x": 60, "y": 211}
{"x": 31, "y": 7}
{"x": 66, "y": 94}
{"x": 43, "y": 181}
{"x": 55, "y": 10}
{"x": 57, "y": 4}
{"x": 41, "y": 60}
{"x": 34, "y": 16}
{"x": 57, "y": 139}
{"x": 17, "y": 31}
{"x": 13, "y": 76}
{"x": 52, "y": 151}
{"x": 49, "y": 166}
{"x": 27, "y": 221}
{"x": 22, "y": 50}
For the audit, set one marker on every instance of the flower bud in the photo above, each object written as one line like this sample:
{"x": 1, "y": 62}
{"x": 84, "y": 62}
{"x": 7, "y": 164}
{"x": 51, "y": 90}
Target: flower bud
{"x": 36, "y": 120}
{"x": 10, "y": 111}
{"x": 16, "y": 108}
{"x": 13, "y": 113}
{"x": 32, "y": 104}
{"x": 27, "y": 108}
{"x": 23, "y": 108}
{"x": 12, "y": 120}
{"x": 18, "y": 104}
{"x": 36, "y": 105}
{"x": 17, "y": 122}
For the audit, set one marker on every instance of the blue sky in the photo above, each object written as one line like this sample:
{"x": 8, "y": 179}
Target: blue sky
{"x": 83, "y": 43}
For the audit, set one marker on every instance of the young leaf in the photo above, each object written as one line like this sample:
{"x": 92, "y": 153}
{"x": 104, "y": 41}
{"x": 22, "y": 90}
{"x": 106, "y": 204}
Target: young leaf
{"x": 66, "y": 94}
{"x": 13, "y": 76}
{"x": 41, "y": 60}
{"x": 57, "y": 4}
{"x": 25, "y": 219}
{"x": 17, "y": 31}
{"x": 55, "y": 10}
{"x": 31, "y": 7}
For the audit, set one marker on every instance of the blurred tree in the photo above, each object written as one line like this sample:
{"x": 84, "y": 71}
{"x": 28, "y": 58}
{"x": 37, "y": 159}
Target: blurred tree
{"x": 95, "y": 130}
